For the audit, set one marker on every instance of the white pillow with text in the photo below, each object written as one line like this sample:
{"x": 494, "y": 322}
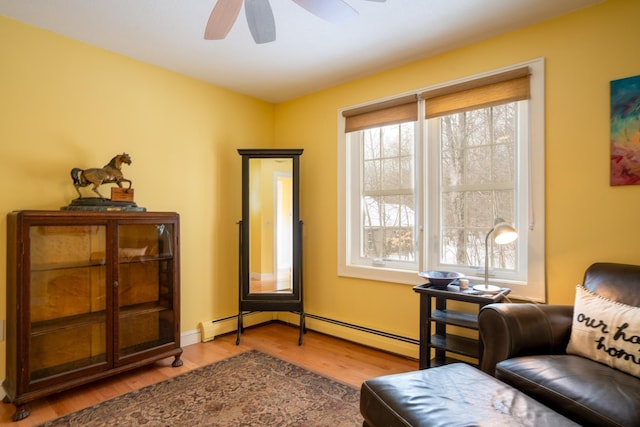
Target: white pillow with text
{"x": 606, "y": 331}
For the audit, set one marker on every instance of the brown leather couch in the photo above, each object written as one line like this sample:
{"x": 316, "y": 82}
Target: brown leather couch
{"x": 525, "y": 347}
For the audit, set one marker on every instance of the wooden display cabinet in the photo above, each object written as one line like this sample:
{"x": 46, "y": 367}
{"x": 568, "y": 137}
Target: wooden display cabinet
{"x": 89, "y": 295}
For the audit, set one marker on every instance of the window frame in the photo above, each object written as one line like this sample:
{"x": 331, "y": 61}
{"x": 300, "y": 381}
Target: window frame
{"x": 531, "y": 222}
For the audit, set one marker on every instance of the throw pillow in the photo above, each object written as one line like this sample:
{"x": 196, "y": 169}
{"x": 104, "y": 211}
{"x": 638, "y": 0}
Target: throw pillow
{"x": 606, "y": 331}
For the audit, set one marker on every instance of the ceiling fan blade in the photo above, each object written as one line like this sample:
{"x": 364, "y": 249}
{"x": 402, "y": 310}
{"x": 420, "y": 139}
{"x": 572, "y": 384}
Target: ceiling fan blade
{"x": 334, "y": 11}
{"x": 260, "y": 20}
{"x": 222, "y": 18}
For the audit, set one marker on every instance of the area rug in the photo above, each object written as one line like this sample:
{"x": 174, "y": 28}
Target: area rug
{"x": 250, "y": 389}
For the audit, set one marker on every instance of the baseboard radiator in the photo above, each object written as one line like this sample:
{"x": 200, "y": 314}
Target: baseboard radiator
{"x": 208, "y": 329}
{"x": 211, "y": 328}
{"x": 364, "y": 329}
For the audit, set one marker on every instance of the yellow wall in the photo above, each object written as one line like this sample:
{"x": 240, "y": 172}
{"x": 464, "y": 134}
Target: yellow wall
{"x": 66, "y": 104}
{"x": 587, "y": 220}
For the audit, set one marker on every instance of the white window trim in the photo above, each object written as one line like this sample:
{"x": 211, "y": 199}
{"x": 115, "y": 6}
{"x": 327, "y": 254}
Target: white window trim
{"x": 534, "y": 288}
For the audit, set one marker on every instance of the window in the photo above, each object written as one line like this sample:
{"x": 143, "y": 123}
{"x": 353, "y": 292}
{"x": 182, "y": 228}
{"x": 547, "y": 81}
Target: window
{"x": 386, "y": 233}
{"x": 424, "y": 176}
{"x": 477, "y": 174}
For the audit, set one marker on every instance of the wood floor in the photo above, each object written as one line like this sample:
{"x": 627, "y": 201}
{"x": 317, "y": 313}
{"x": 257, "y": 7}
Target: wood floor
{"x": 342, "y": 360}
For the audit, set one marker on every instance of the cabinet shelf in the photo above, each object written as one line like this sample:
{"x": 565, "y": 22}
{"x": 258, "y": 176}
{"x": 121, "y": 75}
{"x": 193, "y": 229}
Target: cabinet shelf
{"x": 68, "y": 322}
{"x": 133, "y": 349}
{"x": 67, "y": 265}
{"x": 62, "y": 368}
{"x": 140, "y": 309}
{"x": 81, "y": 320}
{"x": 143, "y": 259}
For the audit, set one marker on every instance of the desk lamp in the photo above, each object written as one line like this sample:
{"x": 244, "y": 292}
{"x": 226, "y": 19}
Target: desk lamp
{"x": 503, "y": 233}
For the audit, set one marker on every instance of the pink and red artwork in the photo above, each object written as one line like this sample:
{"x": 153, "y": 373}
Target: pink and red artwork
{"x": 625, "y": 131}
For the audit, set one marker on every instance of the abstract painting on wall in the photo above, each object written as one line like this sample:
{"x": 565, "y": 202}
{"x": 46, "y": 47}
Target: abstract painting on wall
{"x": 625, "y": 131}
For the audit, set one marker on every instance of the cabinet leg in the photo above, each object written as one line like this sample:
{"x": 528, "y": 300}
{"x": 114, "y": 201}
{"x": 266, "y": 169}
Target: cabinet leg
{"x": 21, "y": 413}
{"x": 177, "y": 362}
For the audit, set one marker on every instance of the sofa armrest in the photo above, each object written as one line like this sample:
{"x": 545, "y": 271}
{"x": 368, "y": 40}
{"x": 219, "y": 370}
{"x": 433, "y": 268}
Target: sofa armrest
{"x": 510, "y": 330}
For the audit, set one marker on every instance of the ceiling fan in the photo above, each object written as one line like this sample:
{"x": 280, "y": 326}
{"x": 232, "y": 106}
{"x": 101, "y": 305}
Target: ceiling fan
{"x": 260, "y": 16}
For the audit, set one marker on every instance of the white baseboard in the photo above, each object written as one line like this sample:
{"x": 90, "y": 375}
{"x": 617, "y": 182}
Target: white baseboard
{"x": 190, "y": 337}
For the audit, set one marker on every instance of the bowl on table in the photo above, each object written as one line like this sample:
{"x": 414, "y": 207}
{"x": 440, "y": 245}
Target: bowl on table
{"x": 441, "y": 279}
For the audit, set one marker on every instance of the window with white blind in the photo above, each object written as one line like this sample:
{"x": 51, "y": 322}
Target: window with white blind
{"x": 424, "y": 175}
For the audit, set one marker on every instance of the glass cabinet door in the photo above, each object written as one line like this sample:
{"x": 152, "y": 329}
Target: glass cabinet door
{"x": 67, "y": 290}
{"x": 145, "y": 287}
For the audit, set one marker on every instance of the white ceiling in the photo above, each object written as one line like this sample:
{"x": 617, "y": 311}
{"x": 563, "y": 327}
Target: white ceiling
{"x": 309, "y": 54}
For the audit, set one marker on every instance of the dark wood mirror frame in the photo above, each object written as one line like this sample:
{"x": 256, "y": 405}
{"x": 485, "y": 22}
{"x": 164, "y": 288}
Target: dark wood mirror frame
{"x": 265, "y": 300}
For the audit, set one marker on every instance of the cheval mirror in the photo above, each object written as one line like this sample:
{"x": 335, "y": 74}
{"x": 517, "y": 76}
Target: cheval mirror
{"x": 270, "y": 271}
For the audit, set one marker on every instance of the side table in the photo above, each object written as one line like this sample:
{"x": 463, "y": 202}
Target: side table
{"x": 442, "y": 341}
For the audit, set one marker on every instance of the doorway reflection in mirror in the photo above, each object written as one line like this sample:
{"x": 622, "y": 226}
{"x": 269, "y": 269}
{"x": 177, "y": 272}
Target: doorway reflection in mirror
{"x": 271, "y": 225}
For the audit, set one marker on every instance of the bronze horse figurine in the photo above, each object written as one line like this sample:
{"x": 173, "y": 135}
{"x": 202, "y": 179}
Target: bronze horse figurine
{"x": 110, "y": 173}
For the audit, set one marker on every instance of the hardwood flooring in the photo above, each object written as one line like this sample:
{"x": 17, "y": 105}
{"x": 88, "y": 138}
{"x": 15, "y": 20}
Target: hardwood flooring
{"x": 332, "y": 357}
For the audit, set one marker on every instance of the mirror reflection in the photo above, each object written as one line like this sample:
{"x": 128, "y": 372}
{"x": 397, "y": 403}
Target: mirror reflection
{"x": 270, "y": 225}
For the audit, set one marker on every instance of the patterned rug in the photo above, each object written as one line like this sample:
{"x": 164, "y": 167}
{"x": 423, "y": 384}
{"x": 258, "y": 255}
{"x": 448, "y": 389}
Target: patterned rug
{"x": 250, "y": 389}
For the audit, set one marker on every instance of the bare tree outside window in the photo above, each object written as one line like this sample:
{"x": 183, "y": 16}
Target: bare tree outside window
{"x": 388, "y": 202}
{"x": 478, "y": 182}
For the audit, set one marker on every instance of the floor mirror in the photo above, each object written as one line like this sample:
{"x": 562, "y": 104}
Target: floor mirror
{"x": 270, "y": 234}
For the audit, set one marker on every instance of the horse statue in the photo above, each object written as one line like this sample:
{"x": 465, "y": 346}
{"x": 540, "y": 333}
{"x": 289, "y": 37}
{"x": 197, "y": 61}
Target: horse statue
{"x": 110, "y": 173}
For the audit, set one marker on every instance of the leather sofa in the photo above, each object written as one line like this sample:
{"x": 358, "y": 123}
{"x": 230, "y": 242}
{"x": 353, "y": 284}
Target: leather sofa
{"x": 525, "y": 347}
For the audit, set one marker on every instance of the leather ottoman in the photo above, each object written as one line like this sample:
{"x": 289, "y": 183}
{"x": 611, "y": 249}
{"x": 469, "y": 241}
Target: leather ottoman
{"x": 450, "y": 395}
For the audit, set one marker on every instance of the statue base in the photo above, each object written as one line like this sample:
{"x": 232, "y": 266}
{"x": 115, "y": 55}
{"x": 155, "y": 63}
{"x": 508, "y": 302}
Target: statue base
{"x": 102, "y": 205}
{"x": 121, "y": 194}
